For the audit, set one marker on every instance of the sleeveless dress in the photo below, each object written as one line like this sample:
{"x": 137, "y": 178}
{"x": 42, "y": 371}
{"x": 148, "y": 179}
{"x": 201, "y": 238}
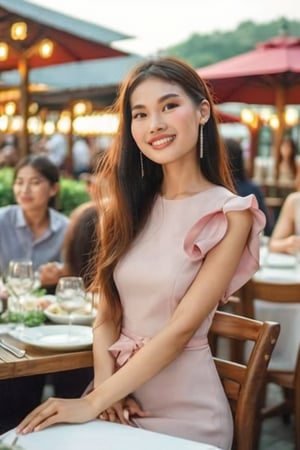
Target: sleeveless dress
{"x": 186, "y": 398}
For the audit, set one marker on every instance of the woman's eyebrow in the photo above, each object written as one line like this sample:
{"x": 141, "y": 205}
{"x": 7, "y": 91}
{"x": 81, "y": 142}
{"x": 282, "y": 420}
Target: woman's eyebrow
{"x": 160, "y": 100}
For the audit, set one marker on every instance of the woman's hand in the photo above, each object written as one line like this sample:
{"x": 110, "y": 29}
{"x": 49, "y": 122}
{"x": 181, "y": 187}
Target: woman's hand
{"x": 50, "y": 273}
{"x": 57, "y": 410}
{"x": 122, "y": 411}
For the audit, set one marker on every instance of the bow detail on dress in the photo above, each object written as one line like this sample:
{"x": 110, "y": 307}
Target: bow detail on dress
{"x": 126, "y": 346}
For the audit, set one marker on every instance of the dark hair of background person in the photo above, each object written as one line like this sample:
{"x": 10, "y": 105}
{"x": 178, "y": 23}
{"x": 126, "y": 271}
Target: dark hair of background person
{"x": 243, "y": 184}
{"x": 292, "y": 156}
{"x": 44, "y": 167}
{"x": 130, "y": 195}
{"x": 80, "y": 245}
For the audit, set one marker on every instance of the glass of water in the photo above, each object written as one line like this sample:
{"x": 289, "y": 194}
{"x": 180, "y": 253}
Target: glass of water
{"x": 20, "y": 280}
{"x": 71, "y": 296}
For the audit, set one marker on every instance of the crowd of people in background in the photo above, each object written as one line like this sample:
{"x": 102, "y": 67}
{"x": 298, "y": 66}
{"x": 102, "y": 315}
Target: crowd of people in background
{"x": 84, "y": 151}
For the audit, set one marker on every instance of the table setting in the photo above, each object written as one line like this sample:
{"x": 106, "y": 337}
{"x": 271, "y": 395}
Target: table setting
{"x": 37, "y": 328}
{"x": 283, "y": 269}
{"x": 278, "y": 266}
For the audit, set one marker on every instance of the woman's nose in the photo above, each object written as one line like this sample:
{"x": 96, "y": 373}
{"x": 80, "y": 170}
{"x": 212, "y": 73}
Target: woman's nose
{"x": 157, "y": 123}
{"x": 25, "y": 187}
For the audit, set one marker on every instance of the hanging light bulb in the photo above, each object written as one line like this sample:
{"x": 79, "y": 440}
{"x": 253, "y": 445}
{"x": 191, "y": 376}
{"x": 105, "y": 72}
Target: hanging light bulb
{"x": 10, "y": 108}
{"x": 3, "y": 51}
{"x": 291, "y": 117}
{"x": 49, "y": 127}
{"x": 79, "y": 109}
{"x": 46, "y": 48}
{"x": 249, "y": 117}
{"x": 274, "y": 121}
{"x": 18, "y": 31}
{"x": 3, "y": 123}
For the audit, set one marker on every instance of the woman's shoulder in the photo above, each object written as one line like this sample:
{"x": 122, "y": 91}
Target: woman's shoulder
{"x": 8, "y": 211}
{"x": 58, "y": 218}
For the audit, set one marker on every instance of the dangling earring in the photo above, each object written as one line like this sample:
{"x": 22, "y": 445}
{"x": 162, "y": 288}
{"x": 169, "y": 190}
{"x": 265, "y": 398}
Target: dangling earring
{"x": 142, "y": 164}
{"x": 201, "y": 141}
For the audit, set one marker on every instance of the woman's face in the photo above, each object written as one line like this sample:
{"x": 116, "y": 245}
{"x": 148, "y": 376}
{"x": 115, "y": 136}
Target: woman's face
{"x": 32, "y": 191}
{"x": 165, "y": 121}
{"x": 286, "y": 149}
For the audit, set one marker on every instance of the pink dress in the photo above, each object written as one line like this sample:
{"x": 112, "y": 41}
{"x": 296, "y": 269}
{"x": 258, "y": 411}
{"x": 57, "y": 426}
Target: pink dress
{"x": 185, "y": 399}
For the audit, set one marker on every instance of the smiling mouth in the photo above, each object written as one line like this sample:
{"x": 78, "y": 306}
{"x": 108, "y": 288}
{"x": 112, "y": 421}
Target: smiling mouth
{"x": 162, "y": 141}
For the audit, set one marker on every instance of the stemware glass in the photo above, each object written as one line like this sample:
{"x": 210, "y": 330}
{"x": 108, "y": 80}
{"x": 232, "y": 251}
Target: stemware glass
{"x": 20, "y": 279}
{"x": 70, "y": 294}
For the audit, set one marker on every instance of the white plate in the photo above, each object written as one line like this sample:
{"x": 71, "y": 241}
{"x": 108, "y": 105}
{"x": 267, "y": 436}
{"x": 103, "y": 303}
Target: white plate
{"x": 281, "y": 260}
{"x": 56, "y": 337}
{"x": 77, "y": 319}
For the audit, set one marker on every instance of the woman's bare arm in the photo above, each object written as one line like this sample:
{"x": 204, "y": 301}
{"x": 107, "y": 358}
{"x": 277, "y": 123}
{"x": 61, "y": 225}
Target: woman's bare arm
{"x": 284, "y": 239}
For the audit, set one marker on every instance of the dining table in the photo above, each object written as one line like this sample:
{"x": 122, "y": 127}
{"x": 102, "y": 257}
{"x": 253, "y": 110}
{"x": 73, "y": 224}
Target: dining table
{"x": 284, "y": 269}
{"x": 38, "y": 358}
{"x": 99, "y": 434}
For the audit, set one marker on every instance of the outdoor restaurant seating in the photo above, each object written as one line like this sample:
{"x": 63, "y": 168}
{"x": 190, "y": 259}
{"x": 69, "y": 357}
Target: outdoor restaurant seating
{"x": 244, "y": 384}
{"x": 288, "y": 379}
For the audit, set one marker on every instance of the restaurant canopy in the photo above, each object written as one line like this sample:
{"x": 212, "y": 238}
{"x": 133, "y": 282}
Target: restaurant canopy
{"x": 71, "y": 40}
{"x": 267, "y": 75}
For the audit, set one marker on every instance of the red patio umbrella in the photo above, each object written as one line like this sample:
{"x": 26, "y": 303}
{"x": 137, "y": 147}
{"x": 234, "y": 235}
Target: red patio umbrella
{"x": 73, "y": 40}
{"x": 268, "y": 75}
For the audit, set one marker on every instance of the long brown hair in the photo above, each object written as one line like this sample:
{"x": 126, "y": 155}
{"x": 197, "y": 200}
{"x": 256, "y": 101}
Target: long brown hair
{"x": 125, "y": 198}
{"x": 291, "y": 158}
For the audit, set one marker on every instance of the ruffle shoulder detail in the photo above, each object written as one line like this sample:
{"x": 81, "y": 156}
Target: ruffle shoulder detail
{"x": 207, "y": 232}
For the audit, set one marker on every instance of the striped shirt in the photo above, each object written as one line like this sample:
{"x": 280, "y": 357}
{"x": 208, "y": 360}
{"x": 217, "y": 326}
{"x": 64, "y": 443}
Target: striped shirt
{"x": 17, "y": 241}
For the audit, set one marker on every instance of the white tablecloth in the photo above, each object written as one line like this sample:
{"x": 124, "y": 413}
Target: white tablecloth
{"x": 274, "y": 270}
{"x": 98, "y": 435}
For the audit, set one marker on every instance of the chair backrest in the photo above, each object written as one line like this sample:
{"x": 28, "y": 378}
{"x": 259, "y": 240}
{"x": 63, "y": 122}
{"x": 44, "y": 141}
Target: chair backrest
{"x": 244, "y": 384}
{"x": 269, "y": 292}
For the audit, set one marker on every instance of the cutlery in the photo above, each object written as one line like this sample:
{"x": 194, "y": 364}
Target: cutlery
{"x": 12, "y": 349}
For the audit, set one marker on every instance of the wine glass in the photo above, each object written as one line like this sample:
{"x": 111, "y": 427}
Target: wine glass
{"x": 20, "y": 279}
{"x": 70, "y": 294}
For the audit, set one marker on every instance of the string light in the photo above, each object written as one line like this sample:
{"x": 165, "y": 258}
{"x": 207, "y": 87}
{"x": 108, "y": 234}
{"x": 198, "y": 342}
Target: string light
{"x": 18, "y": 31}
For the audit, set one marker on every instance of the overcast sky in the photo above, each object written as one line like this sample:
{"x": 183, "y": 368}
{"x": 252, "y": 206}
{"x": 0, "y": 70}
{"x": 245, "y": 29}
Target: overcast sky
{"x": 157, "y": 24}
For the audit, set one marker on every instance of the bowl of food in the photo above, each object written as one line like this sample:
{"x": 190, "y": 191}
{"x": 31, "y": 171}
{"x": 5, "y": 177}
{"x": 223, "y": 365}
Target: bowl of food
{"x": 82, "y": 316}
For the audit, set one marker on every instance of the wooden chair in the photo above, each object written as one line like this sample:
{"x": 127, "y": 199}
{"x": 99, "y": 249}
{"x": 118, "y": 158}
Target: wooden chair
{"x": 244, "y": 383}
{"x": 288, "y": 380}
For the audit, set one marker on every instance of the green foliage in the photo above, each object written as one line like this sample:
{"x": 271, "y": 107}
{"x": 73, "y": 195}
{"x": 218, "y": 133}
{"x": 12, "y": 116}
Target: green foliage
{"x": 72, "y": 192}
{"x": 204, "y": 49}
{"x": 6, "y": 180}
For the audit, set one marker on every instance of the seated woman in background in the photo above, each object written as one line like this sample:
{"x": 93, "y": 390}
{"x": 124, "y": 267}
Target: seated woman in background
{"x": 287, "y": 167}
{"x": 286, "y": 235}
{"x": 31, "y": 229}
{"x": 243, "y": 184}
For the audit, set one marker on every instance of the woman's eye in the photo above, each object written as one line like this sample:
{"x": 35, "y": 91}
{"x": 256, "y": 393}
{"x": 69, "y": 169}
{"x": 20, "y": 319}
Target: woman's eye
{"x": 138, "y": 115}
{"x": 169, "y": 106}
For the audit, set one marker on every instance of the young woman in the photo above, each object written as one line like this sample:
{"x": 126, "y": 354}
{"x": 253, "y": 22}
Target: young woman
{"x": 169, "y": 224}
{"x": 32, "y": 228}
{"x": 288, "y": 168}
